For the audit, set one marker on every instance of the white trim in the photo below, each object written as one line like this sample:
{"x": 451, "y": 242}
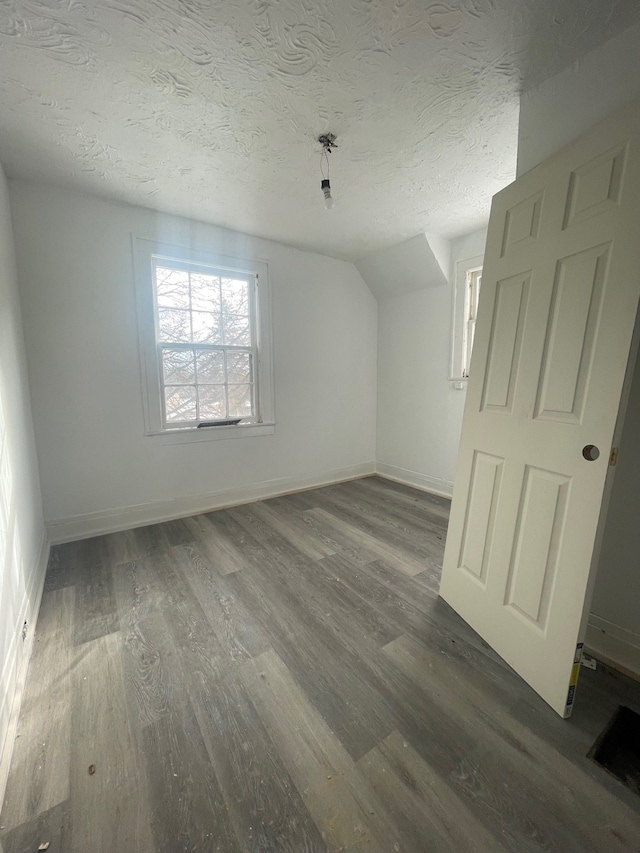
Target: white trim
{"x": 617, "y": 631}
{"x": 19, "y": 657}
{"x": 613, "y": 644}
{"x": 424, "y": 482}
{"x": 186, "y": 436}
{"x": 123, "y": 518}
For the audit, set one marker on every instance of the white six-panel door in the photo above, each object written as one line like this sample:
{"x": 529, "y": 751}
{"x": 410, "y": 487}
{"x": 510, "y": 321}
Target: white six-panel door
{"x": 560, "y": 289}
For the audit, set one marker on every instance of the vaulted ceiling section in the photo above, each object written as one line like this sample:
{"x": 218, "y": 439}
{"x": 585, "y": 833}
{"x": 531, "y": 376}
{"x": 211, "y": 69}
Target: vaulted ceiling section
{"x": 212, "y": 108}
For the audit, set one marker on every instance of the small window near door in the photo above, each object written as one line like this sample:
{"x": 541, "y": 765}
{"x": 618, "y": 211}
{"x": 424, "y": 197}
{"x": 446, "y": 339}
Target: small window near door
{"x": 467, "y": 283}
{"x": 472, "y": 292}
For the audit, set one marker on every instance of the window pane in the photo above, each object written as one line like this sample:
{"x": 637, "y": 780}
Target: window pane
{"x": 205, "y": 292}
{"x": 205, "y": 339}
{"x": 180, "y": 403}
{"x": 174, "y": 325}
{"x": 211, "y": 367}
{"x": 240, "y": 401}
{"x": 177, "y": 367}
{"x": 236, "y": 331}
{"x": 235, "y": 296}
{"x": 212, "y": 402}
{"x": 206, "y": 327}
{"x": 238, "y": 367}
{"x": 172, "y": 287}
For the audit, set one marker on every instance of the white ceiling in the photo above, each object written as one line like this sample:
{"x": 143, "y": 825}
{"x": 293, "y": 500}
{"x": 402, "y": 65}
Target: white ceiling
{"x": 211, "y": 108}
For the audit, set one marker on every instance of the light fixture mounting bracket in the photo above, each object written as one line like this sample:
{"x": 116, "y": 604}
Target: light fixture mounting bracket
{"x": 328, "y": 142}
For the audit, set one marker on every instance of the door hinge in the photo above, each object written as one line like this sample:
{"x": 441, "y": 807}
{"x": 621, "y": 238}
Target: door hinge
{"x": 614, "y": 456}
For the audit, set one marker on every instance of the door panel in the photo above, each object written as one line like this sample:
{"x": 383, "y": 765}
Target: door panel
{"x": 595, "y": 186}
{"x": 505, "y": 343}
{"x": 534, "y": 557}
{"x": 484, "y": 491}
{"x": 522, "y": 222}
{"x": 572, "y": 328}
{"x": 559, "y": 296}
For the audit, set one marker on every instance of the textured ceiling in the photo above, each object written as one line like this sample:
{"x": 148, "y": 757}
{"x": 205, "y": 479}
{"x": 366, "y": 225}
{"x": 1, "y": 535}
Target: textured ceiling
{"x": 211, "y": 108}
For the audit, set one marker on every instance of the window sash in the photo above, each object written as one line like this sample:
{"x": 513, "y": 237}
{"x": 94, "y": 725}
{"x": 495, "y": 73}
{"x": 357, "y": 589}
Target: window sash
{"x": 196, "y": 348}
{"x": 160, "y": 345}
{"x": 472, "y": 294}
{"x": 197, "y": 256}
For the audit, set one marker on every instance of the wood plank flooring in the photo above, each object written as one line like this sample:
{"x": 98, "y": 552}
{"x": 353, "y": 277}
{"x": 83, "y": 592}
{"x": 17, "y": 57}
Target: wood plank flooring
{"x": 281, "y": 676}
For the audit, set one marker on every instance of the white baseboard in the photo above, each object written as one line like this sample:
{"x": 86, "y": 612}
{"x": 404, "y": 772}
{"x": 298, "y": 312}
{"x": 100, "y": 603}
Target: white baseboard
{"x": 613, "y": 645}
{"x": 18, "y": 661}
{"x": 123, "y": 518}
{"x": 424, "y": 482}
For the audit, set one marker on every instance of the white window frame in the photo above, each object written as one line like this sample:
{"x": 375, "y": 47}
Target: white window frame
{"x": 146, "y": 252}
{"x": 472, "y": 294}
{"x": 463, "y": 325}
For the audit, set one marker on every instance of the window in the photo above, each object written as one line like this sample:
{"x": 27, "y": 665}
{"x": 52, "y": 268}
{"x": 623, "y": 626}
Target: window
{"x": 204, "y": 341}
{"x": 467, "y": 283}
{"x": 472, "y": 292}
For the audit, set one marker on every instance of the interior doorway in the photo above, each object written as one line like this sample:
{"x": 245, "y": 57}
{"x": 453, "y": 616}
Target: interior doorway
{"x": 613, "y": 630}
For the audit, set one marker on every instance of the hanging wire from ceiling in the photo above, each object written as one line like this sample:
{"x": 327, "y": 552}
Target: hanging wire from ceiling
{"x": 328, "y": 142}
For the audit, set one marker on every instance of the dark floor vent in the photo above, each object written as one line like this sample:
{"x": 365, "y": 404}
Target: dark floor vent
{"x": 617, "y": 749}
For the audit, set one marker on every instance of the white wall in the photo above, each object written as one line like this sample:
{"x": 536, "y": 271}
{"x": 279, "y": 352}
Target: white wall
{"x": 561, "y": 108}
{"x": 23, "y": 551}
{"x": 98, "y": 470}
{"x": 419, "y": 410}
{"x": 422, "y": 261}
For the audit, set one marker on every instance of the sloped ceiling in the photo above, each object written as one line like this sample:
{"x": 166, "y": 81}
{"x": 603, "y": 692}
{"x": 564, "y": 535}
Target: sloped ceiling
{"x": 211, "y": 108}
{"x": 421, "y": 262}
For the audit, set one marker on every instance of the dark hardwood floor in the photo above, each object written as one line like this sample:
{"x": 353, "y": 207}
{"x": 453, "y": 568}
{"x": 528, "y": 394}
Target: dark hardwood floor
{"x": 281, "y": 676}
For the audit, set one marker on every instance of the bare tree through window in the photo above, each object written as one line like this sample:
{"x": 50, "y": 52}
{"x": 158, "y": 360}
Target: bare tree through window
{"x": 206, "y": 343}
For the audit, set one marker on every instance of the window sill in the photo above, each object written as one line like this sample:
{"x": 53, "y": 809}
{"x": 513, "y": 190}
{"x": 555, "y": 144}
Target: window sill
{"x": 193, "y": 434}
